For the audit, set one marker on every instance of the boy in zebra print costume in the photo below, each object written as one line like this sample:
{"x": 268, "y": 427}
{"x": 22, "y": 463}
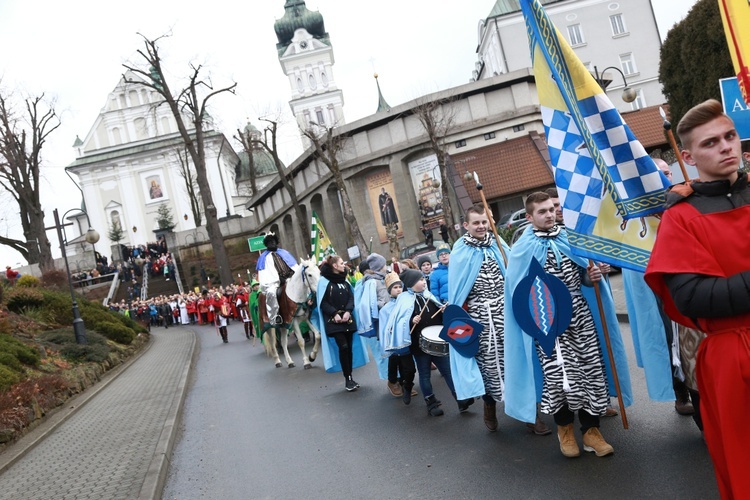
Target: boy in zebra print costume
{"x": 574, "y": 377}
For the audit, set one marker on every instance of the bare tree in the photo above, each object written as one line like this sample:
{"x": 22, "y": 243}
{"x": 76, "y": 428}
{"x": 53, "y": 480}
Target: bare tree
{"x": 21, "y": 143}
{"x": 438, "y": 118}
{"x": 191, "y": 185}
{"x": 327, "y": 146}
{"x": 249, "y": 144}
{"x": 189, "y": 101}
{"x": 268, "y": 142}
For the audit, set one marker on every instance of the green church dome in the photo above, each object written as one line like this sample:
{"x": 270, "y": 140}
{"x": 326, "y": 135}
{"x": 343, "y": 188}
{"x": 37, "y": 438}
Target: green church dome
{"x": 297, "y": 16}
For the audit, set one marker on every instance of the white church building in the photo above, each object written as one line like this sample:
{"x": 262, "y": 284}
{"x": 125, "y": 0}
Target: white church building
{"x": 128, "y": 165}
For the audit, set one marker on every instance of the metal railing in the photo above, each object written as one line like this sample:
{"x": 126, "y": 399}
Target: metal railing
{"x": 177, "y": 274}
{"x": 144, "y": 283}
{"x": 112, "y": 288}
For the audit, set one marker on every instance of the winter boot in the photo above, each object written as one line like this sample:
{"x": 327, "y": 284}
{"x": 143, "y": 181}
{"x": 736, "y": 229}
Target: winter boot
{"x": 463, "y": 404}
{"x": 433, "y": 406}
{"x": 490, "y": 416}
{"x": 406, "y": 393}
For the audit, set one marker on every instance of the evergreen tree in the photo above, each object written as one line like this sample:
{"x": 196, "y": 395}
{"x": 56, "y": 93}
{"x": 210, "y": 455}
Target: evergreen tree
{"x": 164, "y": 217}
{"x": 694, "y": 57}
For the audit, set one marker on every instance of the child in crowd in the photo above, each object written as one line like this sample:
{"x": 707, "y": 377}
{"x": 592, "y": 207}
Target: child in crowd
{"x": 400, "y": 361}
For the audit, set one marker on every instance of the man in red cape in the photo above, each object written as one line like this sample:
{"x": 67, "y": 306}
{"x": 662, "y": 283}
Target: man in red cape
{"x": 700, "y": 267}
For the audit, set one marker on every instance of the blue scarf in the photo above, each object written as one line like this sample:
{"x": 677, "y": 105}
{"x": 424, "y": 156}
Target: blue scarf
{"x": 523, "y": 373}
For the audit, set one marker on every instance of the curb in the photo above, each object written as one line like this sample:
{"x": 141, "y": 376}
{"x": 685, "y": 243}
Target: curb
{"x": 56, "y": 418}
{"x": 156, "y": 475}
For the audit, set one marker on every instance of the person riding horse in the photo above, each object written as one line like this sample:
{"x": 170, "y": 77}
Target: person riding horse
{"x": 274, "y": 269}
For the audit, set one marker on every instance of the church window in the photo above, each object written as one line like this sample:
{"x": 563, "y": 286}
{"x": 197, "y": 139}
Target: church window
{"x": 320, "y": 117}
{"x": 134, "y": 99}
{"x": 116, "y": 137}
{"x": 115, "y": 217}
{"x": 123, "y": 104}
{"x": 311, "y": 79}
{"x": 324, "y": 79}
{"x": 300, "y": 85}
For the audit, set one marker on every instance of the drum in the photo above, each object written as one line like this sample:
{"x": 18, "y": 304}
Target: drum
{"x": 431, "y": 343}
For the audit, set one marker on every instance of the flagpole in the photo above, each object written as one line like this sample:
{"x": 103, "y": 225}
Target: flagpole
{"x": 489, "y": 216}
{"x": 673, "y": 143}
{"x": 612, "y": 364}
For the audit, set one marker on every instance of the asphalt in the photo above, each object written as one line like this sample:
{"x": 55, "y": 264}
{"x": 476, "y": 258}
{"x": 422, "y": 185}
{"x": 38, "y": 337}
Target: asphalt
{"x": 115, "y": 440}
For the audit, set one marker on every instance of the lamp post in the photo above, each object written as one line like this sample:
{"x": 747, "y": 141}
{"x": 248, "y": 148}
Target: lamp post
{"x": 628, "y": 94}
{"x": 92, "y": 236}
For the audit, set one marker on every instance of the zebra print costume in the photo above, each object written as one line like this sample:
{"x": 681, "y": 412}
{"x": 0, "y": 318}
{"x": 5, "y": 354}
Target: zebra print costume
{"x": 486, "y": 303}
{"x": 583, "y": 364}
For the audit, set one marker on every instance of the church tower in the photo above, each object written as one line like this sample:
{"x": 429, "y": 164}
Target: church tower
{"x": 306, "y": 56}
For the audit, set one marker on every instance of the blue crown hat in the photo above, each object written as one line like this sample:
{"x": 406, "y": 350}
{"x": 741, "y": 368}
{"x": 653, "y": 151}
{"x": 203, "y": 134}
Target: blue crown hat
{"x": 460, "y": 331}
{"x": 543, "y": 306}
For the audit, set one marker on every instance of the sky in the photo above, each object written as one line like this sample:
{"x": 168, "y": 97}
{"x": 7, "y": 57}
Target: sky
{"x": 73, "y": 53}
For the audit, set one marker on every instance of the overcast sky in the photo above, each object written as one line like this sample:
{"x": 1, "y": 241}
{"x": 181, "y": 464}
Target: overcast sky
{"x": 73, "y": 52}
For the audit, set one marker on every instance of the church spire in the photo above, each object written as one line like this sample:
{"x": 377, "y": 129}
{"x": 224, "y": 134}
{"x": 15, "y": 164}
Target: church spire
{"x": 382, "y": 105}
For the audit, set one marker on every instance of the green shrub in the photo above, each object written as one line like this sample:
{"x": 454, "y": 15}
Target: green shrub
{"x": 2, "y": 289}
{"x": 116, "y": 331}
{"x": 64, "y": 340}
{"x": 8, "y": 377}
{"x": 28, "y": 281}
{"x": 38, "y": 314}
{"x": 25, "y": 354}
{"x": 58, "y": 307}
{"x": 21, "y": 298}
{"x": 9, "y": 360}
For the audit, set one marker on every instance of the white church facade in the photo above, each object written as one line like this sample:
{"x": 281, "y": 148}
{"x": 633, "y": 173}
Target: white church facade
{"x": 129, "y": 163}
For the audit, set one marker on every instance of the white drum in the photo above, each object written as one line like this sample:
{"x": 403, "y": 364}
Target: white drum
{"x": 431, "y": 343}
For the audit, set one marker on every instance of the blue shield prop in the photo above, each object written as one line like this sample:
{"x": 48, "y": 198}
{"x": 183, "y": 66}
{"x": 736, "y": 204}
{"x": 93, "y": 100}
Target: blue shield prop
{"x": 460, "y": 331}
{"x": 542, "y": 306}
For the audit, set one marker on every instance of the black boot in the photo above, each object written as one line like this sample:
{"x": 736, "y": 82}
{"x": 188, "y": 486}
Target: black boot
{"x": 407, "y": 393}
{"x": 433, "y": 406}
{"x": 463, "y": 404}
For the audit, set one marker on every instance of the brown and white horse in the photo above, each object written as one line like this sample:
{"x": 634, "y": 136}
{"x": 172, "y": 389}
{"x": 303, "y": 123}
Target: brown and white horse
{"x": 295, "y": 305}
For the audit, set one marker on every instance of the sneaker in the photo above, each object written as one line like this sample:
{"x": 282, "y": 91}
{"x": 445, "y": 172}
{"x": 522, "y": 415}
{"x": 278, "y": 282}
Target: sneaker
{"x": 594, "y": 442}
{"x": 414, "y": 392}
{"x": 539, "y": 428}
{"x": 490, "y": 417}
{"x": 351, "y": 385}
{"x": 568, "y": 445}
{"x": 395, "y": 389}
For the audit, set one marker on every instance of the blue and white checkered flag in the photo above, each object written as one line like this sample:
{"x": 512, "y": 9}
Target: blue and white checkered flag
{"x": 600, "y": 167}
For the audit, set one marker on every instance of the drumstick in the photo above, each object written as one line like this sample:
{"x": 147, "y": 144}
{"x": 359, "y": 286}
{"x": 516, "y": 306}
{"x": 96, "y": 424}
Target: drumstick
{"x": 442, "y": 308}
{"x": 420, "y": 313}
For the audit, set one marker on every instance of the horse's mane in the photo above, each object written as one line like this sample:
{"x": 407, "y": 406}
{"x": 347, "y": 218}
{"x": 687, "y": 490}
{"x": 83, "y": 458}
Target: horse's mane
{"x": 296, "y": 289}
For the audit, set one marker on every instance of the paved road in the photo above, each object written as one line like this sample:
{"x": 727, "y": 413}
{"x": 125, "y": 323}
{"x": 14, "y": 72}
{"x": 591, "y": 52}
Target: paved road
{"x": 250, "y": 430}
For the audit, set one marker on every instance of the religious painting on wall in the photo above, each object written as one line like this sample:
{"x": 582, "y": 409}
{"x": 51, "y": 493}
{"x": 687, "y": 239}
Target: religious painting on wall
{"x": 153, "y": 187}
{"x": 424, "y": 172}
{"x": 383, "y": 202}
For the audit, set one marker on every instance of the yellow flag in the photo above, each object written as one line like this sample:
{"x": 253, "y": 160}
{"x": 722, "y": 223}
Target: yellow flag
{"x": 735, "y": 15}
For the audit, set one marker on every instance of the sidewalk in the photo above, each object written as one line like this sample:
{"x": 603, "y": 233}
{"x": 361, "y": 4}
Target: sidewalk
{"x": 114, "y": 441}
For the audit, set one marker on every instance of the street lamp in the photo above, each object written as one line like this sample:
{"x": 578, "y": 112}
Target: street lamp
{"x": 92, "y": 236}
{"x": 628, "y": 94}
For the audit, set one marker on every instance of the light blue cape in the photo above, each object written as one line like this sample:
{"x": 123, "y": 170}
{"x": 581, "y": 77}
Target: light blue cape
{"x": 330, "y": 349}
{"x": 366, "y": 306}
{"x": 466, "y": 260}
{"x": 397, "y": 332}
{"x": 523, "y": 373}
{"x": 649, "y": 337}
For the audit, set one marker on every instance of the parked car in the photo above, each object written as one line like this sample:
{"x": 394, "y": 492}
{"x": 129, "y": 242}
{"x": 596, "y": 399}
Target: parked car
{"x": 513, "y": 219}
{"x": 417, "y": 250}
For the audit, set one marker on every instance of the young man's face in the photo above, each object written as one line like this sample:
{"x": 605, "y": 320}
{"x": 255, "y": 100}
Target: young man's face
{"x": 558, "y": 210}
{"x": 426, "y": 267}
{"x": 419, "y": 286}
{"x": 714, "y": 149}
{"x": 477, "y": 225}
{"x": 542, "y": 215}
{"x": 396, "y": 290}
